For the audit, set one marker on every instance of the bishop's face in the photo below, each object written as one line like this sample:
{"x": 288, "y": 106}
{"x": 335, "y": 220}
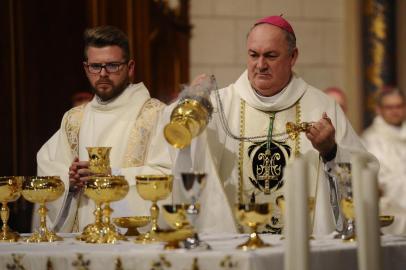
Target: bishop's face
{"x": 269, "y": 61}
{"x": 108, "y": 84}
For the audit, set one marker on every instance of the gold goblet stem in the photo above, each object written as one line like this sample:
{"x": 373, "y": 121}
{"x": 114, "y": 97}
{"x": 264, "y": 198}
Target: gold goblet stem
{"x": 42, "y": 211}
{"x": 5, "y": 214}
{"x": 154, "y": 217}
{"x": 107, "y": 213}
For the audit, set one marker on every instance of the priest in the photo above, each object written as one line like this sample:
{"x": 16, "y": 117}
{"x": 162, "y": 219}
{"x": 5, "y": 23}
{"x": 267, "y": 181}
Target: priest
{"x": 121, "y": 115}
{"x": 245, "y": 146}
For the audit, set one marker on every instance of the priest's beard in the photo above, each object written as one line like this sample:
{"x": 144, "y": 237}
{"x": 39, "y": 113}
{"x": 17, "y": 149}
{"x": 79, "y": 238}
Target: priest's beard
{"x": 114, "y": 92}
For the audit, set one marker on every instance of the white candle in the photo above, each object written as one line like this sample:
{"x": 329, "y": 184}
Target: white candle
{"x": 372, "y": 259}
{"x": 297, "y": 217}
{"x": 365, "y": 198}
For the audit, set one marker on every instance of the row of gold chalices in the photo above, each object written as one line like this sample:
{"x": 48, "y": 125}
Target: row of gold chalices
{"x": 10, "y": 191}
{"x": 42, "y": 189}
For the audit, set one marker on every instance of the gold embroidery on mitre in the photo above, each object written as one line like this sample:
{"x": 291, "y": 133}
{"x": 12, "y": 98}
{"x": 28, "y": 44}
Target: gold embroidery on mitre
{"x": 140, "y": 135}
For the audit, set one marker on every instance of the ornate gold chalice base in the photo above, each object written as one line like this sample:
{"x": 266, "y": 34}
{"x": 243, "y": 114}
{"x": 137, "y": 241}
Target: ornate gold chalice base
{"x": 177, "y": 218}
{"x": 153, "y": 188}
{"x": 10, "y": 191}
{"x": 188, "y": 119}
{"x": 280, "y": 202}
{"x": 252, "y": 215}
{"x": 347, "y": 207}
{"x": 132, "y": 223}
{"x": 99, "y": 160}
{"x": 43, "y": 189}
{"x": 293, "y": 129}
{"x": 104, "y": 190}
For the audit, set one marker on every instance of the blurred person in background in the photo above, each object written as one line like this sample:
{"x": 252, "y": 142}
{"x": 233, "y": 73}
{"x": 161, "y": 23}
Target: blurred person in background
{"x": 386, "y": 139}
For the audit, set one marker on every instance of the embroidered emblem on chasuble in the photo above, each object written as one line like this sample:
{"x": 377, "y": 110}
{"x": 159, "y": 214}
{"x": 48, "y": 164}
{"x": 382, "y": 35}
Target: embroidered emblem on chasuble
{"x": 262, "y": 164}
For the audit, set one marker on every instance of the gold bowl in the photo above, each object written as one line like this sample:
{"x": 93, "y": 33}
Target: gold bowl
{"x": 386, "y": 221}
{"x": 153, "y": 188}
{"x": 132, "y": 223}
{"x": 99, "y": 160}
{"x": 252, "y": 215}
{"x": 176, "y": 215}
{"x": 10, "y": 191}
{"x": 43, "y": 189}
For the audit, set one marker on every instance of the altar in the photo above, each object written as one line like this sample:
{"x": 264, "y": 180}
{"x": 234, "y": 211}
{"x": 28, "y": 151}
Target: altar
{"x": 326, "y": 253}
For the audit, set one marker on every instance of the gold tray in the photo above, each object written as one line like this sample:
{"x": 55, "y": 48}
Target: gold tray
{"x": 385, "y": 221}
{"x": 132, "y": 223}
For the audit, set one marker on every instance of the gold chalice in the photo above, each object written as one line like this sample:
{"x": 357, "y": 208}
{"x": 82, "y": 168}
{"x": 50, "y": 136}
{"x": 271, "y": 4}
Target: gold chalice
{"x": 253, "y": 215}
{"x": 43, "y": 189}
{"x": 104, "y": 189}
{"x": 280, "y": 202}
{"x": 10, "y": 191}
{"x": 153, "y": 188}
{"x": 177, "y": 218}
{"x": 188, "y": 120}
{"x": 99, "y": 160}
{"x": 347, "y": 207}
{"x": 132, "y": 223}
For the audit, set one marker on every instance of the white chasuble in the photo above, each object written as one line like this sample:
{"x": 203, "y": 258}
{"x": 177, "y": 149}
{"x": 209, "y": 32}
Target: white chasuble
{"x": 125, "y": 124}
{"x": 237, "y": 169}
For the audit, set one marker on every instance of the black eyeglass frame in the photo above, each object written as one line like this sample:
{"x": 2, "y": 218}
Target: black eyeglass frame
{"x": 107, "y": 67}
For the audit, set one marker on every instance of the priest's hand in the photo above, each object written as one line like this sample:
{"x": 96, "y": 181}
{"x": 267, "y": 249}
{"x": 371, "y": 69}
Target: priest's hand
{"x": 322, "y": 136}
{"x": 78, "y": 174}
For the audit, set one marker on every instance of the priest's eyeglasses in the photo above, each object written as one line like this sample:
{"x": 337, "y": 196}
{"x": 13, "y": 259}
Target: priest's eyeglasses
{"x": 111, "y": 67}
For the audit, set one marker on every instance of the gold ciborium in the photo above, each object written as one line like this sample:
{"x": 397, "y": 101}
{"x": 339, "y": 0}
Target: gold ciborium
{"x": 188, "y": 120}
{"x": 347, "y": 207}
{"x": 10, "y": 191}
{"x": 253, "y": 215}
{"x": 132, "y": 223}
{"x": 293, "y": 129}
{"x": 280, "y": 202}
{"x": 43, "y": 189}
{"x": 177, "y": 218}
{"x": 153, "y": 188}
{"x": 99, "y": 160}
{"x": 104, "y": 190}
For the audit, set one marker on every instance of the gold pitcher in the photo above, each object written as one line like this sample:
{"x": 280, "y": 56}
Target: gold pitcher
{"x": 10, "y": 191}
{"x": 99, "y": 160}
{"x": 188, "y": 120}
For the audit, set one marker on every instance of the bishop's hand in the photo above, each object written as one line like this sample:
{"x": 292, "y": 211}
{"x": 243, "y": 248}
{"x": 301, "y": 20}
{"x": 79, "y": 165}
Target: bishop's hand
{"x": 322, "y": 136}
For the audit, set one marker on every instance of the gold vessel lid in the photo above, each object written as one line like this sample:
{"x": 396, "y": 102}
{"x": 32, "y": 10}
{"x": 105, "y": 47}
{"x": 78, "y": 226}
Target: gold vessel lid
{"x": 177, "y": 135}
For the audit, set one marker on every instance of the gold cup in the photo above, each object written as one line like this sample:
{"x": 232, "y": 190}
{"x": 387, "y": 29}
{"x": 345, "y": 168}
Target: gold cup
{"x": 99, "y": 160}
{"x": 188, "y": 120}
{"x": 104, "y": 189}
{"x": 10, "y": 191}
{"x": 177, "y": 218}
{"x": 43, "y": 189}
{"x": 153, "y": 188}
{"x": 253, "y": 215}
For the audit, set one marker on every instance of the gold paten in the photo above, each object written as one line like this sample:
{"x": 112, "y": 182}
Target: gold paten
{"x": 99, "y": 160}
{"x": 188, "y": 120}
{"x": 172, "y": 237}
{"x": 132, "y": 223}
{"x": 10, "y": 191}
{"x": 104, "y": 190}
{"x": 43, "y": 189}
{"x": 253, "y": 215}
{"x": 153, "y": 188}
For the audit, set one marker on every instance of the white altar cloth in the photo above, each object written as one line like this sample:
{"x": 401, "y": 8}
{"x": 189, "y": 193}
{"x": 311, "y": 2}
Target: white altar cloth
{"x": 326, "y": 253}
